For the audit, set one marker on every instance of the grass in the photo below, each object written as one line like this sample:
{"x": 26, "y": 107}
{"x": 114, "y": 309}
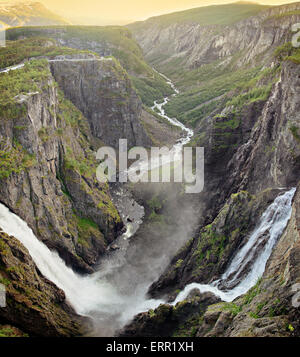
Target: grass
{"x": 15, "y": 160}
{"x": 151, "y": 89}
{"x": 16, "y": 52}
{"x": 284, "y": 14}
{"x": 256, "y": 94}
{"x": 207, "y": 84}
{"x": 23, "y": 81}
{"x": 287, "y": 52}
{"x": 233, "y": 308}
{"x": 209, "y": 15}
{"x": 113, "y": 40}
{"x": 254, "y": 291}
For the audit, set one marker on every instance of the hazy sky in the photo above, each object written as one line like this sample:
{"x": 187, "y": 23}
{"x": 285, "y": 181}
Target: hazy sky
{"x": 125, "y": 11}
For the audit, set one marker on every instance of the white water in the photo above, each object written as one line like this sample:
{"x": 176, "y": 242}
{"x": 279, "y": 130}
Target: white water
{"x": 253, "y": 254}
{"x": 87, "y": 294}
{"x": 175, "y": 152}
{"x": 94, "y": 296}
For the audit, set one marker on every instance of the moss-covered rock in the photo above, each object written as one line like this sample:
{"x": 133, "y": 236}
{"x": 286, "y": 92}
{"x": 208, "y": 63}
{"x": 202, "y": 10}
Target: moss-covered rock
{"x": 34, "y": 303}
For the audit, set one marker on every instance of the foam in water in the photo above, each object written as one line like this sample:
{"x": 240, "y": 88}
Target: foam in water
{"x": 86, "y": 294}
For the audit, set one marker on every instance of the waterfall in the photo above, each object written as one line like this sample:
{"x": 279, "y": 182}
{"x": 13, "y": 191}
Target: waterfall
{"x": 249, "y": 263}
{"x": 82, "y": 292}
{"x": 89, "y": 295}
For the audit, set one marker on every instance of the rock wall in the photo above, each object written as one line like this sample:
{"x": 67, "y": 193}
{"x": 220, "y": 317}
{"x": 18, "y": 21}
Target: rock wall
{"x": 34, "y": 304}
{"x": 194, "y": 45}
{"x": 102, "y": 90}
{"x": 55, "y": 191}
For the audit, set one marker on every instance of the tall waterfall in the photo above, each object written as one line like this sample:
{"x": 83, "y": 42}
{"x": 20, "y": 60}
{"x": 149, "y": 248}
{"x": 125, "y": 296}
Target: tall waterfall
{"x": 89, "y": 295}
{"x": 249, "y": 263}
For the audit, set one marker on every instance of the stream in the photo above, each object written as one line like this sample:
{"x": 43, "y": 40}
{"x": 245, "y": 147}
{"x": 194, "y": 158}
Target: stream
{"x": 114, "y": 294}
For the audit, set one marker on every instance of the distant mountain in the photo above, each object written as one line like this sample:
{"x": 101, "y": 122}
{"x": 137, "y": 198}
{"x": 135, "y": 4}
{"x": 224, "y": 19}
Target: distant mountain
{"x": 207, "y": 15}
{"x": 28, "y": 14}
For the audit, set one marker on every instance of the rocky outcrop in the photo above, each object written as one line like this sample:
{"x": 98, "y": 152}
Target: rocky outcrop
{"x": 270, "y": 158}
{"x": 252, "y": 152}
{"x": 102, "y": 90}
{"x": 48, "y": 173}
{"x": 34, "y": 304}
{"x": 164, "y": 321}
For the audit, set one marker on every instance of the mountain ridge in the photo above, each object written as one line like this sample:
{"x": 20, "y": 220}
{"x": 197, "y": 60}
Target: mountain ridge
{"x": 28, "y": 14}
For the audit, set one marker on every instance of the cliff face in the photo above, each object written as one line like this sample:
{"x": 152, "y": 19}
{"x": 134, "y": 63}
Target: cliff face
{"x": 191, "y": 45}
{"x": 102, "y": 91}
{"x": 114, "y": 41}
{"x": 48, "y": 171}
{"x": 34, "y": 304}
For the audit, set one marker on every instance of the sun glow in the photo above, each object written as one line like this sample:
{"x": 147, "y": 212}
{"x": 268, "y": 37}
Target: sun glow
{"x": 120, "y": 12}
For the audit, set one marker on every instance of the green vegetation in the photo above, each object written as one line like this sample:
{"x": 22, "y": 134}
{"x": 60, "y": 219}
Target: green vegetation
{"x": 210, "y": 248}
{"x": 294, "y": 131}
{"x": 179, "y": 264}
{"x": 87, "y": 229}
{"x": 287, "y": 52}
{"x": 116, "y": 40}
{"x": 232, "y": 307}
{"x": 256, "y": 94}
{"x": 209, "y": 15}
{"x": 255, "y": 290}
{"x": 23, "y": 81}
{"x": 295, "y": 56}
{"x": 156, "y": 206}
{"x": 15, "y": 161}
{"x": 5, "y": 281}
{"x": 151, "y": 89}
{"x": 18, "y": 51}
{"x": 284, "y": 14}
{"x": 209, "y": 90}
{"x": 7, "y": 332}
{"x": 86, "y": 166}
{"x": 190, "y": 327}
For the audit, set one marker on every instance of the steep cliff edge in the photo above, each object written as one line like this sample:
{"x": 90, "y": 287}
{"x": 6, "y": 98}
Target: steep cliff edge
{"x": 106, "y": 41}
{"x": 48, "y": 168}
{"x": 249, "y": 152}
{"x": 102, "y": 91}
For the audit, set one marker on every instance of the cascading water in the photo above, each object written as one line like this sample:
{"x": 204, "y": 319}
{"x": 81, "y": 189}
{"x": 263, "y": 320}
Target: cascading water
{"x": 248, "y": 265}
{"x": 89, "y": 295}
{"x": 112, "y": 307}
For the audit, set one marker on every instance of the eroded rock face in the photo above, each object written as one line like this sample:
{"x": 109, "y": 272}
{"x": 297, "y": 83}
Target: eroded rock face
{"x": 56, "y": 191}
{"x": 34, "y": 303}
{"x": 102, "y": 90}
{"x": 194, "y": 45}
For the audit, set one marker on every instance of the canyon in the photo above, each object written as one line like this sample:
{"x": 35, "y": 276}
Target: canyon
{"x": 82, "y": 258}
